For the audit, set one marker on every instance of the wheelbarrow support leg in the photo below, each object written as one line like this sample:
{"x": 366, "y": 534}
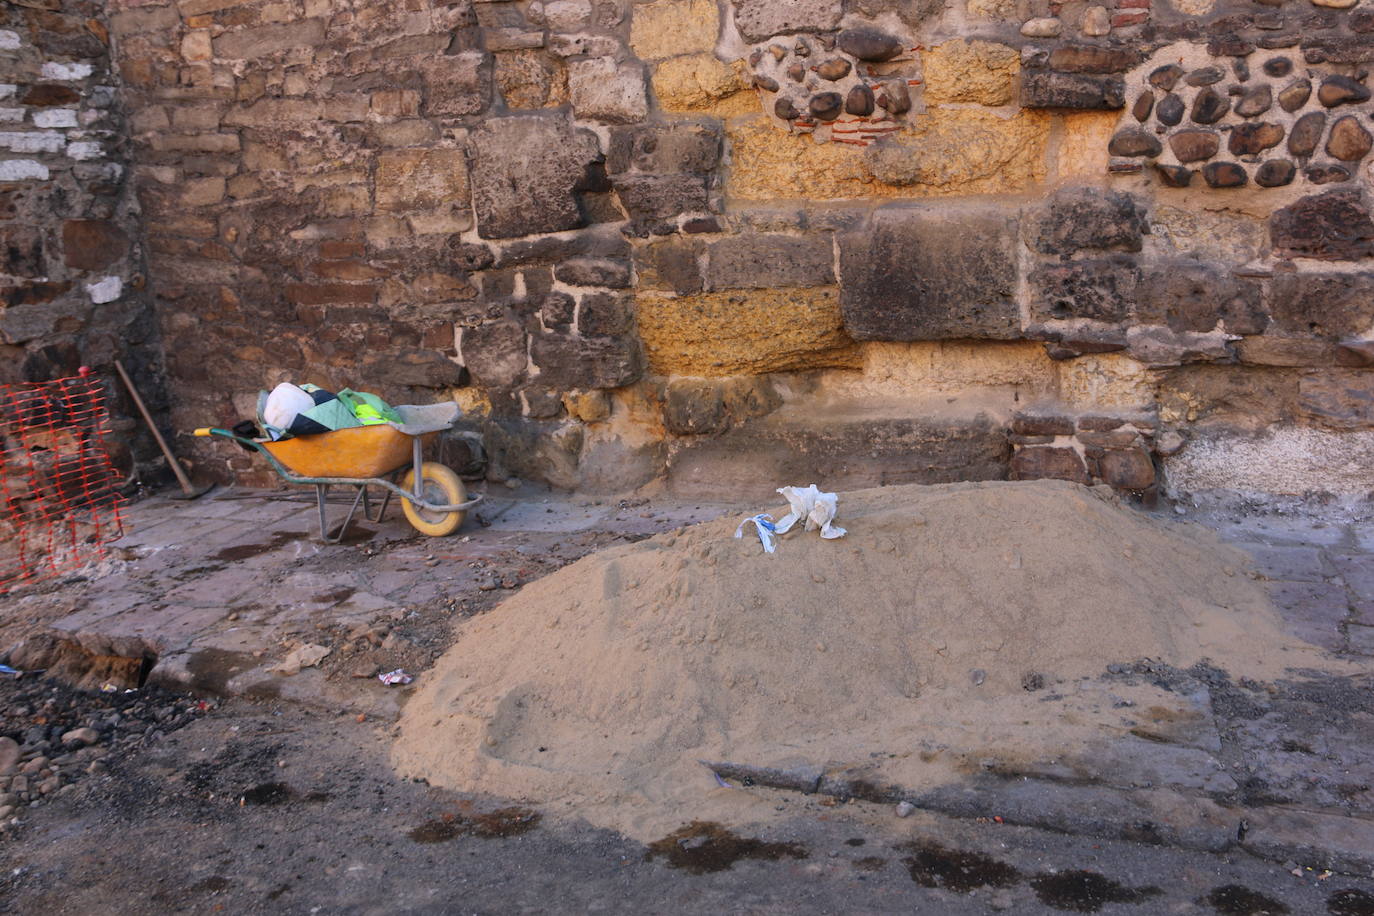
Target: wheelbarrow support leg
{"x": 321, "y": 490}
{"x": 418, "y": 458}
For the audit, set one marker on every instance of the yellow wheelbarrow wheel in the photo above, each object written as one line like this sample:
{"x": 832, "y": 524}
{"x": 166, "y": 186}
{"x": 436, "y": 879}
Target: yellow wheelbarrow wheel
{"x": 438, "y": 486}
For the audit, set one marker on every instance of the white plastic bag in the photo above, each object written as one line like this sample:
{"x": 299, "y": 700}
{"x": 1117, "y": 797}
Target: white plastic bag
{"x": 816, "y": 507}
{"x": 766, "y": 528}
{"x": 807, "y": 503}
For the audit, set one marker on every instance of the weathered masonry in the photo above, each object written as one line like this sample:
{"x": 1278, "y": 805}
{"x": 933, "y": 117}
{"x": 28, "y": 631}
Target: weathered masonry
{"x": 730, "y": 245}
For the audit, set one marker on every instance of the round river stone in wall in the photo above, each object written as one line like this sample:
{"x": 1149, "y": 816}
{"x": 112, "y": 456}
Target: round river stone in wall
{"x": 1143, "y": 106}
{"x": 1349, "y": 142}
{"x": 837, "y": 68}
{"x": 1256, "y": 102}
{"x": 1295, "y": 95}
{"x": 859, "y": 102}
{"x": 1275, "y": 173}
{"x": 1224, "y": 175}
{"x": 1135, "y": 142}
{"x": 1166, "y": 77}
{"x": 1170, "y": 110}
{"x": 1175, "y": 176}
{"x": 1209, "y": 107}
{"x": 1341, "y": 90}
{"x": 1204, "y": 76}
{"x": 1306, "y": 133}
{"x": 1195, "y": 145}
{"x": 1278, "y": 66}
{"x": 895, "y": 97}
{"x": 1327, "y": 174}
{"x": 1254, "y": 137}
{"x": 869, "y": 44}
{"x": 827, "y": 105}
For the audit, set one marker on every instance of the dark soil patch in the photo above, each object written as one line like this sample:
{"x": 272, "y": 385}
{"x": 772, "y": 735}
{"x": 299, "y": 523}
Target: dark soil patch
{"x": 267, "y": 793}
{"x": 1086, "y": 891}
{"x": 1235, "y": 900}
{"x": 499, "y": 824}
{"x": 932, "y": 865}
{"x": 241, "y": 552}
{"x": 703, "y": 846}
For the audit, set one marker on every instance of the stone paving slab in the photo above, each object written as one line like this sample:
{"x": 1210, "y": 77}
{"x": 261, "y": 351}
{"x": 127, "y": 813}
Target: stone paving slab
{"x": 1299, "y": 564}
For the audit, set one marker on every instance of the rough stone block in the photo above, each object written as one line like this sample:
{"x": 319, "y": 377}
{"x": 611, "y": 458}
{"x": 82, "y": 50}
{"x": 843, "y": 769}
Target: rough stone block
{"x": 531, "y": 79}
{"x": 1042, "y": 424}
{"x": 1163, "y": 346}
{"x": 22, "y": 321}
{"x": 1265, "y": 350}
{"x": 331, "y": 293}
{"x": 412, "y": 368}
{"x": 1326, "y": 305}
{"x": 744, "y": 333}
{"x": 1082, "y": 218}
{"x": 760, "y": 19}
{"x": 264, "y": 40}
{"x": 1126, "y": 469}
{"x": 593, "y": 272}
{"x": 761, "y": 261}
{"x": 495, "y": 353}
{"x": 662, "y": 196}
{"x": 672, "y": 264}
{"x": 929, "y": 274}
{"x": 1050, "y": 89}
{"x": 1040, "y": 463}
{"x": 683, "y": 146}
{"x": 603, "y": 89}
{"x": 1189, "y": 295}
{"x": 456, "y": 84}
{"x": 1338, "y": 398}
{"x": 558, "y": 310}
{"x": 604, "y": 315}
{"x": 1101, "y": 289}
{"x": 1334, "y": 226}
{"x": 524, "y": 171}
{"x": 418, "y": 178}
{"x": 1094, "y": 58}
{"x": 586, "y": 362}
{"x": 693, "y": 407}
{"x": 91, "y": 244}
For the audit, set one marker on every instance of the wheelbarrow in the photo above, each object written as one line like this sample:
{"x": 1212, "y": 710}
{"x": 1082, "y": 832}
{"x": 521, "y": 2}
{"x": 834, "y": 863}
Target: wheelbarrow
{"x": 432, "y": 495}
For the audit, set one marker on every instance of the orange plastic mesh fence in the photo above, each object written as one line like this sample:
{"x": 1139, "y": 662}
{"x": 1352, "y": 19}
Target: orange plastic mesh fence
{"x": 59, "y": 499}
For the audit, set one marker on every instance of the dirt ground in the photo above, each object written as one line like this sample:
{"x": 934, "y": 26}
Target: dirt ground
{"x": 223, "y": 788}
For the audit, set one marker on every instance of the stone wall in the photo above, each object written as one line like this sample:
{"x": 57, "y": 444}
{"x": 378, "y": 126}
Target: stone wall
{"x": 71, "y": 266}
{"x": 751, "y": 242}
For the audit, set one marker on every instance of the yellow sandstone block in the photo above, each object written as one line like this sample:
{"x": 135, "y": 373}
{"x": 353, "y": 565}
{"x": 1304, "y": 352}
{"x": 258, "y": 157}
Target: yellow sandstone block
{"x": 745, "y": 332}
{"x": 668, "y": 28}
{"x": 947, "y": 151}
{"x": 982, "y": 72}
{"x": 700, "y": 83}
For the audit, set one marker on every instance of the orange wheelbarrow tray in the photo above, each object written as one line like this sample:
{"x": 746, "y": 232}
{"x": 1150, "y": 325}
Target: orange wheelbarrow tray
{"x": 434, "y": 501}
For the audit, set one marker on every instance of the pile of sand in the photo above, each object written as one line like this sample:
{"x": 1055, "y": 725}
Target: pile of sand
{"x": 599, "y": 689}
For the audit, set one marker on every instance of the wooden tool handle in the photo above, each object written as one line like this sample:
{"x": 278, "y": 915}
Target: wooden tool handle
{"x": 161, "y": 442}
